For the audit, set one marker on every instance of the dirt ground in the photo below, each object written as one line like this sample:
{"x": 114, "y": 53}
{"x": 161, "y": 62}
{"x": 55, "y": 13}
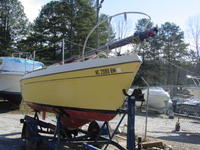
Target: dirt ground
{"x": 163, "y": 129}
{"x": 159, "y": 129}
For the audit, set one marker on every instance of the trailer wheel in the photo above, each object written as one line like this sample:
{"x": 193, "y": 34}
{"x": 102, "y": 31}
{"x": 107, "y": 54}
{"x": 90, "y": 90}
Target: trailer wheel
{"x": 95, "y": 131}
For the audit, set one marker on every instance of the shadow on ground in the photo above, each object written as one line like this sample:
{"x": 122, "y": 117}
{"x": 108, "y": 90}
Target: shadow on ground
{"x": 9, "y": 143}
{"x": 5, "y": 107}
{"x": 183, "y": 137}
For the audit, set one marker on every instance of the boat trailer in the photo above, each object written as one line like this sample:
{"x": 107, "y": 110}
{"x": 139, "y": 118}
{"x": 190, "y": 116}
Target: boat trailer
{"x": 41, "y": 135}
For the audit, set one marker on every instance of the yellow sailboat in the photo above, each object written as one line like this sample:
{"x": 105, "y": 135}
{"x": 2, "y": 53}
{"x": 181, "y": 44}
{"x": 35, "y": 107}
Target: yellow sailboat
{"x": 93, "y": 85}
{"x": 84, "y": 91}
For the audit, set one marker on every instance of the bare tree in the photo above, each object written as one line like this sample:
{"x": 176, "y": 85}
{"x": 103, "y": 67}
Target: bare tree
{"x": 194, "y": 33}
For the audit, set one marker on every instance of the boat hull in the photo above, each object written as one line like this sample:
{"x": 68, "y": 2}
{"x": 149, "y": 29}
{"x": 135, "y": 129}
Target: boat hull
{"x": 95, "y": 92}
{"x": 75, "y": 118}
{"x": 11, "y": 72}
{"x": 10, "y": 86}
{"x": 158, "y": 99}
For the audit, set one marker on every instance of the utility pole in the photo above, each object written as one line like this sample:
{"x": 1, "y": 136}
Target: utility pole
{"x": 69, "y": 45}
{"x": 71, "y": 36}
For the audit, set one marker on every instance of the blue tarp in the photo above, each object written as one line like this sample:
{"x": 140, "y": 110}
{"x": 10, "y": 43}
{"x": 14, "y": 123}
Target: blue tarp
{"x": 12, "y": 64}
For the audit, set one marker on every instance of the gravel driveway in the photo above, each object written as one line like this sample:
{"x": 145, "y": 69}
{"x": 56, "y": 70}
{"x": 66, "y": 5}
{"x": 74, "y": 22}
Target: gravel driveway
{"x": 163, "y": 129}
{"x": 159, "y": 128}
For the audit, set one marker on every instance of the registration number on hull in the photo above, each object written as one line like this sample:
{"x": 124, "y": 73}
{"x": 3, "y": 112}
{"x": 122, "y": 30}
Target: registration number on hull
{"x": 107, "y": 71}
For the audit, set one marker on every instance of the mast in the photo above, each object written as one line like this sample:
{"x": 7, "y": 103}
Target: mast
{"x": 137, "y": 37}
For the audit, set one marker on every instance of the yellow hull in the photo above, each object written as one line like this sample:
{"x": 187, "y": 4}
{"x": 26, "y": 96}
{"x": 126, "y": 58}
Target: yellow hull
{"x": 97, "y": 88}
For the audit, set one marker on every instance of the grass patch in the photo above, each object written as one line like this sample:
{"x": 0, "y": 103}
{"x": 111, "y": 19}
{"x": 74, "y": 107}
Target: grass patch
{"x": 25, "y": 109}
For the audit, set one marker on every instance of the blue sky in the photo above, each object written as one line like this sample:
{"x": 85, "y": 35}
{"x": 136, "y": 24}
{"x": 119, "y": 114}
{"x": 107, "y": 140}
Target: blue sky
{"x": 161, "y": 11}
{"x": 33, "y": 7}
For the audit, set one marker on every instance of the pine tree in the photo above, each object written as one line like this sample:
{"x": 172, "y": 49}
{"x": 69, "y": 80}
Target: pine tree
{"x": 162, "y": 54}
{"x": 13, "y": 25}
{"x": 70, "y": 20}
